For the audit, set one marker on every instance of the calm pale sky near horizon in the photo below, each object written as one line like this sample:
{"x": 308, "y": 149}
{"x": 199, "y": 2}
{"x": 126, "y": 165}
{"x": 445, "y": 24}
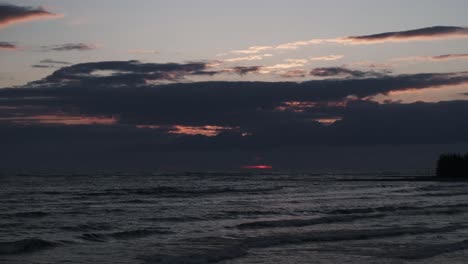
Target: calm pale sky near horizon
{"x": 289, "y": 74}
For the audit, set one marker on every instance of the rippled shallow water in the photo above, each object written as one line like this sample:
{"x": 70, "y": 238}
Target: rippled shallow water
{"x": 231, "y": 218}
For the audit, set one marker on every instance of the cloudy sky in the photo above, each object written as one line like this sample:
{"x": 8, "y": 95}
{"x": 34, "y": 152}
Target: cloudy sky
{"x": 324, "y": 85}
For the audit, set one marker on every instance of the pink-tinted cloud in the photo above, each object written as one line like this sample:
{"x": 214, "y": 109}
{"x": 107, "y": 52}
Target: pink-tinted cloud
{"x": 451, "y": 57}
{"x": 327, "y": 58}
{"x": 258, "y": 167}
{"x": 295, "y": 106}
{"x": 7, "y": 46}
{"x": 428, "y": 33}
{"x": 62, "y": 119}
{"x": 249, "y": 58}
{"x": 208, "y": 131}
{"x": 288, "y": 64}
{"x": 430, "y": 94}
{"x": 11, "y": 14}
{"x": 444, "y": 57}
{"x": 328, "y": 121}
{"x": 251, "y": 50}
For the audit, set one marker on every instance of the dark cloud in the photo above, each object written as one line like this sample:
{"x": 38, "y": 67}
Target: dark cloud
{"x": 437, "y": 32}
{"x": 42, "y": 66}
{"x": 132, "y": 72}
{"x": 407, "y": 132}
{"x": 7, "y": 46}
{"x": 10, "y": 14}
{"x": 69, "y": 47}
{"x": 125, "y": 94}
{"x": 50, "y": 61}
{"x": 244, "y": 69}
{"x": 294, "y": 74}
{"x": 117, "y": 115}
{"x": 450, "y": 57}
{"x": 124, "y": 72}
{"x": 341, "y": 71}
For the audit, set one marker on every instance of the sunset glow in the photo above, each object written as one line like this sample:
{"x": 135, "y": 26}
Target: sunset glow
{"x": 258, "y": 167}
{"x": 62, "y": 120}
{"x": 328, "y": 121}
{"x": 209, "y": 131}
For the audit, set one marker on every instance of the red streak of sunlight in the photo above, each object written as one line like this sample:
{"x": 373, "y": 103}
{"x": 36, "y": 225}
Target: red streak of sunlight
{"x": 258, "y": 167}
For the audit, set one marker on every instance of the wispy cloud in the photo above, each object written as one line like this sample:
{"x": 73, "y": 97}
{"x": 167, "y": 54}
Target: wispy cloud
{"x": 50, "y": 61}
{"x": 130, "y": 72}
{"x": 11, "y": 14}
{"x": 249, "y": 58}
{"x": 297, "y": 44}
{"x": 327, "y": 58}
{"x": 342, "y": 71}
{"x": 207, "y": 130}
{"x": 42, "y": 66}
{"x": 428, "y": 33}
{"x": 451, "y": 57}
{"x": 443, "y": 57}
{"x": 252, "y": 50}
{"x": 70, "y": 47}
{"x": 61, "y": 119}
{"x": 296, "y": 61}
{"x": 288, "y": 64}
{"x": 7, "y": 46}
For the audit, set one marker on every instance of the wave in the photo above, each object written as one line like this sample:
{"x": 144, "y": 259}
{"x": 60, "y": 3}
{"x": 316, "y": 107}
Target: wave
{"x": 36, "y": 214}
{"x": 217, "y": 249}
{"x": 438, "y": 187}
{"x": 305, "y": 222}
{"x": 177, "y": 192}
{"x": 178, "y": 219}
{"x": 88, "y": 227}
{"x": 130, "y": 234}
{"x": 387, "y": 209}
{"x": 424, "y": 252}
{"x": 201, "y": 251}
{"x": 248, "y": 213}
{"x": 25, "y": 246}
{"x": 343, "y": 235}
{"x": 214, "y": 255}
{"x": 445, "y": 194}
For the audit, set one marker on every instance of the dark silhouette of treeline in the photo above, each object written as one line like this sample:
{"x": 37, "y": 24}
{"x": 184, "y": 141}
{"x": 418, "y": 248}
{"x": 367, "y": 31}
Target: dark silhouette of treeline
{"x": 452, "y": 166}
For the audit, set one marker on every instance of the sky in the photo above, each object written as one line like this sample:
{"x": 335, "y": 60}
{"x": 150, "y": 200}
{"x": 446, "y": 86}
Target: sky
{"x": 226, "y": 85}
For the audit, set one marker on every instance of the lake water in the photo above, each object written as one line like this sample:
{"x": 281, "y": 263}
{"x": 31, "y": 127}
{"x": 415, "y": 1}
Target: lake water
{"x": 231, "y": 218}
